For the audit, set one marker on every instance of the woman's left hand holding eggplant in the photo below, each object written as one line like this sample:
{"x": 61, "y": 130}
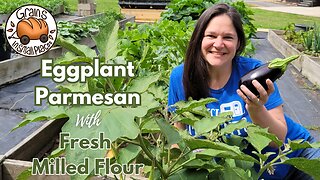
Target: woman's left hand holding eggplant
{"x": 251, "y": 100}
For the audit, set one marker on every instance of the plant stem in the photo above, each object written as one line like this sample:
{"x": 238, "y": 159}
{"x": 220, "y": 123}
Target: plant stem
{"x": 175, "y": 116}
{"x": 282, "y": 63}
{"x": 153, "y": 138}
{"x": 176, "y": 162}
{"x": 272, "y": 162}
{"x": 115, "y": 153}
{"x": 261, "y": 163}
{"x": 180, "y": 166}
{"x": 151, "y": 157}
{"x": 169, "y": 159}
{"x": 139, "y": 120}
{"x": 113, "y": 89}
{"x": 162, "y": 149}
{"x": 130, "y": 141}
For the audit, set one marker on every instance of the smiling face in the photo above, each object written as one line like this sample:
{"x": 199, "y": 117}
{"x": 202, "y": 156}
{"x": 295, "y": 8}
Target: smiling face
{"x": 220, "y": 41}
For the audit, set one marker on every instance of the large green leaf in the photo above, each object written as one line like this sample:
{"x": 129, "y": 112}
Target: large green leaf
{"x": 95, "y": 86}
{"x": 116, "y": 121}
{"x": 66, "y": 57}
{"x": 149, "y": 125}
{"x": 189, "y": 174}
{"x": 77, "y": 155}
{"x": 70, "y": 58}
{"x": 298, "y": 144}
{"x": 234, "y": 126}
{"x": 171, "y": 134}
{"x": 106, "y": 39}
{"x": 201, "y": 111}
{"x": 141, "y": 84}
{"x": 231, "y": 173}
{"x": 258, "y": 140}
{"x": 127, "y": 154}
{"x": 199, "y": 163}
{"x": 78, "y": 59}
{"x": 244, "y": 164}
{"x": 158, "y": 92}
{"x": 185, "y": 106}
{"x": 72, "y": 87}
{"x": 309, "y": 166}
{"x": 51, "y": 113}
{"x": 188, "y": 118}
{"x": 80, "y": 50}
{"x": 271, "y": 136}
{"x": 234, "y": 140}
{"x": 193, "y": 144}
{"x": 211, "y": 153}
{"x": 207, "y": 124}
{"x": 112, "y": 43}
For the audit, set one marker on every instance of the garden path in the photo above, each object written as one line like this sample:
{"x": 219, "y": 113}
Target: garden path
{"x": 286, "y": 7}
{"x": 301, "y": 99}
{"x": 16, "y": 100}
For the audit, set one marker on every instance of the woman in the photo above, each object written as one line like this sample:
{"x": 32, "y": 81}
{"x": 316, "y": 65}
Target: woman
{"x": 213, "y": 68}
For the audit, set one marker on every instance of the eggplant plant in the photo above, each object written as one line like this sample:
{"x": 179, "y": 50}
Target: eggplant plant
{"x": 272, "y": 70}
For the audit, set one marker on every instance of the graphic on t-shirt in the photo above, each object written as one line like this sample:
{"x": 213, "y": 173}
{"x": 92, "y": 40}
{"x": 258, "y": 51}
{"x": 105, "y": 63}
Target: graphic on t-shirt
{"x": 234, "y": 106}
{"x": 237, "y": 110}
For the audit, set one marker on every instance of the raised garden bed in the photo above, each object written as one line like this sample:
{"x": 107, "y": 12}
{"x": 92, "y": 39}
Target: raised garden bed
{"x": 5, "y": 49}
{"x": 307, "y": 65}
{"x": 19, "y": 158}
{"x": 19, "y": 67}
{"x": 143, "y": 4}
{"x": 145, "y": 11}
{"x": 143, "y": 15}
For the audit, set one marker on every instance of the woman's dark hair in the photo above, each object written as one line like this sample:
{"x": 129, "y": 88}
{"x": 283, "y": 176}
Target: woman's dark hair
{"x": 196, "y": 75}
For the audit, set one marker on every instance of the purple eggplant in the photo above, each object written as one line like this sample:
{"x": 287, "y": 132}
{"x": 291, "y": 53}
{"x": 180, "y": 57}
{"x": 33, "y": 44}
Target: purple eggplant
{"x": 271, "y": 70}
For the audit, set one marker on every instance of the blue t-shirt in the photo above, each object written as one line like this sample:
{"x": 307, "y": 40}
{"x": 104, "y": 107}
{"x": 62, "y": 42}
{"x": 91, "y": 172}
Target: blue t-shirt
{"x": 229, "y": 100}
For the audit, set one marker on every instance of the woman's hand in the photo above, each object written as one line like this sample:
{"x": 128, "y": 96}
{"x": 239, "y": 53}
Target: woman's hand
{"x": 251, "y": 100}
{"x": 273, "y": 118}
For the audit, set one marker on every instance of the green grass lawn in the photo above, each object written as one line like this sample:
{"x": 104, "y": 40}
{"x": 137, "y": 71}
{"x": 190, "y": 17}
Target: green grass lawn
{"x": 102, "y": 5}
{"x": 279, "y": 20}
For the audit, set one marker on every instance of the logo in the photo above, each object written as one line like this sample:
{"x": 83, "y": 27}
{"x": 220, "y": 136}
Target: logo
{"x": 31, "y": 30}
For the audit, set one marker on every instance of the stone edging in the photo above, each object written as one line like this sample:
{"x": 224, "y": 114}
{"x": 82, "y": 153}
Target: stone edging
{"x": 305, "y": 64}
